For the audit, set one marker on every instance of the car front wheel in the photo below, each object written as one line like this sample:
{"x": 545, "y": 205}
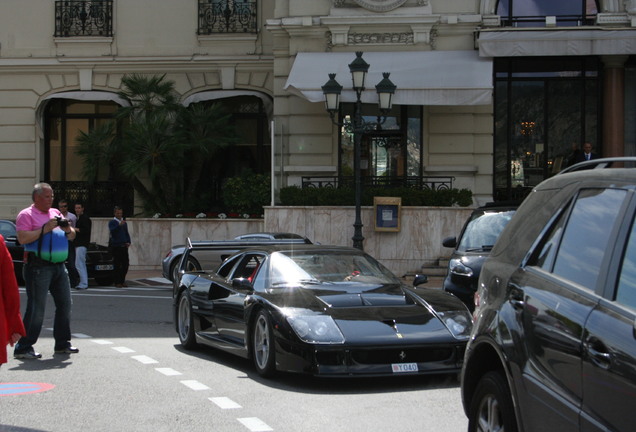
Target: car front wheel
{"x": 491, "y": 409}
{"x": 263, "y": 345}
{"x": 185, "y": 322}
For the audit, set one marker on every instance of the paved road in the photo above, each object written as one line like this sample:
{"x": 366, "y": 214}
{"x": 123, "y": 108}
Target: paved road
{"x": 131, "y": 374}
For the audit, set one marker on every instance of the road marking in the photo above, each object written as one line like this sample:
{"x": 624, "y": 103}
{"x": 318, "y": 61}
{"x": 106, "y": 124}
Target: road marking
{"x": 225, "y": 403}
{"x": 21, "y": 388}
{"x": 255, "y": 424}
{"x": 123, "y": 350}
{"x": 144, "y": 359}
{"x": 102, "y": 342}
{"x": 195, "y": 385}
{"x": 81, "y": 336}
{"x": 168, "y": 371}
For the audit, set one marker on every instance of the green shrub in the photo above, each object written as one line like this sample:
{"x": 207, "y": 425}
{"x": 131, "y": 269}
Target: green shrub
{"x": 295, "y": 196}
{"x": 247, "y": 194}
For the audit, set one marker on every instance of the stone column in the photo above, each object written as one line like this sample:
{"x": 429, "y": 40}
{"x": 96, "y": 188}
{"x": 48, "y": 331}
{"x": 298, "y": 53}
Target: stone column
{"x": 613, "y": 106}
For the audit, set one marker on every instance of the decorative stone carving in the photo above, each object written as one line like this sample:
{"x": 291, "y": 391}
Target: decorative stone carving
{"x": 380, "y": 38}
{"x": 380, "y": 5}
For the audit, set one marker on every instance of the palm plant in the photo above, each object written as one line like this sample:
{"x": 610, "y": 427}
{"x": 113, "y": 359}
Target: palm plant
{"x": 162, "y": 147}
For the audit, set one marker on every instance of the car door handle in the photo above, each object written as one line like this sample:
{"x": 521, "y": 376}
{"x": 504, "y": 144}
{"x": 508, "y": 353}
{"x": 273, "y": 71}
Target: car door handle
{"x": 516, "y": 296}
{"x": 598, "y": 352}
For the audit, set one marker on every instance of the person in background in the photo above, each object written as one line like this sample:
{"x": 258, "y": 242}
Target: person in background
{"x": 119, "y": 242}
{"x": 45, "y": 236}
{"x": 63, "y": 206}
{"x": 73, "y": 274}
{"x": 586, "y": 154}
{"x": 83, "y": 228}
{"x": 11, "y": 326}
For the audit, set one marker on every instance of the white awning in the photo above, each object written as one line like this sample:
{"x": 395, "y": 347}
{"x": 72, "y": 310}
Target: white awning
{"x": 223, "y": 94}
{"x": 421, "y": 77}
{"x": 90, "y": 96}
{"x": 561, "y": 42}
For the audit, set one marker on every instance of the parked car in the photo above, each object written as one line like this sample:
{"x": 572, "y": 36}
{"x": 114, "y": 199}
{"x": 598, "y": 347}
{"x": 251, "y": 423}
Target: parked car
{"x": 554, "y": 340}
{"x": 321, "y": 310}
{"x": 99, "y": 261}
{"x": 225, "y": 248}
{"x": 472, "y": 247}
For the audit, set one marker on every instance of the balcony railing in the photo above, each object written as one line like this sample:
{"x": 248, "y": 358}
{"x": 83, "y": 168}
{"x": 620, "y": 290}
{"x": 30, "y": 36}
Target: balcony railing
{"x": 99, "y": 198}
{"x": 86, "y": 18}
{"x": 227, "y": 16}
{"x": 426, "y": 182}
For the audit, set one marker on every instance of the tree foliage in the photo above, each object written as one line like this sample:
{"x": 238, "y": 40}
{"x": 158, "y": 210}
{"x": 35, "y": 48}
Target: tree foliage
{"x": 160, "y": 146}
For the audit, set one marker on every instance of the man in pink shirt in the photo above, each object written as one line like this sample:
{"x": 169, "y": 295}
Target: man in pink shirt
{"x": 45, "y": 235}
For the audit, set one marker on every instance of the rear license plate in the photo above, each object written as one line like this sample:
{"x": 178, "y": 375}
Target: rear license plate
{"x": 404, "y": 367}
{"x": 104, "y": 267}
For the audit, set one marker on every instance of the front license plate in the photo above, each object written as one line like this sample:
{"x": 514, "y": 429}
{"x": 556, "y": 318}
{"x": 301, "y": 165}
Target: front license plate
{"x": 404, "y": 367}
{"x": 104, "y": 267}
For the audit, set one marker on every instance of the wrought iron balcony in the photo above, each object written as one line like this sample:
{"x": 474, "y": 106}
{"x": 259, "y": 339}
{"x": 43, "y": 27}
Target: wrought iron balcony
{"x": 227, "y": 16}
{"x": 87, "y": 18}
{"x": 425, "y": 182}
{"x": 99, "y": 198}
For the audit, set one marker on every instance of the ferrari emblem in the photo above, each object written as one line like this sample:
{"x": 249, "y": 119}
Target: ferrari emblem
{"x": 402, "y": 355}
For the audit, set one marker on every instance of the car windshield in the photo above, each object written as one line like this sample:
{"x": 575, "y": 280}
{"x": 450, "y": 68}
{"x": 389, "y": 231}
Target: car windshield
{"x": 318, "y": 268}
{"x": 482, "y": 231}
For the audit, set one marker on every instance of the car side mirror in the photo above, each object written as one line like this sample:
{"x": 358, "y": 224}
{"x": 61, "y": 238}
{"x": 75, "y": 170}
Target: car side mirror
{"x": 242, "y": 284}
{"x": 450, "y": 242}
{"x": 420, "y": 280}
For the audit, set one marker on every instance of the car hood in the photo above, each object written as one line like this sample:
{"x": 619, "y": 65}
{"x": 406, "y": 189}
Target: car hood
{"x": 373, "y": 313}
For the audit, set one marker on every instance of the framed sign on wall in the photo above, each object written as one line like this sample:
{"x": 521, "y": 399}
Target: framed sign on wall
{"x": 387, "y": 213}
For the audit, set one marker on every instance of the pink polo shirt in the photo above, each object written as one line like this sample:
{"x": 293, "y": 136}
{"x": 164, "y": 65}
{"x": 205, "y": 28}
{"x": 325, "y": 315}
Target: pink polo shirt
{"x": 54, "y": 244}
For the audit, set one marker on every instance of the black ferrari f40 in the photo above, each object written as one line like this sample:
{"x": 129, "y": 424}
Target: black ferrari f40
{"x": 321, "y": 310}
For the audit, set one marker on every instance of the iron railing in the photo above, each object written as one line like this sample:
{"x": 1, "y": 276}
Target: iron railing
{"x": 425, "y": 182}
{"x": 227, "y": 16}
{"x": 92, "y": 18}
{"x": 99, "y": 198}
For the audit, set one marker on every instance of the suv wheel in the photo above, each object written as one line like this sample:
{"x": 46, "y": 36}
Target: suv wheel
{"x": 491, "y": 408}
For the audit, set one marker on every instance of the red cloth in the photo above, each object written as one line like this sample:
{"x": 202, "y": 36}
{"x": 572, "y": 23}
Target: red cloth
{"x": 10, "y": 318}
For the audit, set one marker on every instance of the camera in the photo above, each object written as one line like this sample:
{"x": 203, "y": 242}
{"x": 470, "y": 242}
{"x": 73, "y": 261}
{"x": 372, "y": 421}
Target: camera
{"x": 61, "y": 222}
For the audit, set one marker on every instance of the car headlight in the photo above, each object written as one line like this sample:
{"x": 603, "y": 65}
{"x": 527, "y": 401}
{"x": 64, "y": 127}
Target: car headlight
{"x": 459, "y": 323}
{"x": 320, "y": 329}
{"x": 458, "y": 268}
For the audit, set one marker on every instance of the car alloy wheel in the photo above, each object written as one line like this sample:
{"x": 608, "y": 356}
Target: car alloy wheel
{"x": 263, "y": 344}
{"x": 491, "y": 409}
{"x": 185, "y": 322}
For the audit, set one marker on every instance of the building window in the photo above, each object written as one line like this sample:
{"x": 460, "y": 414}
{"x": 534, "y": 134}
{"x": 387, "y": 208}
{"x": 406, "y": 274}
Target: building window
{"x": 227, "y": 16}
{"x": 533, "y": 13}
{"x": 545, "y": 108}
{"x": 85, "y": 18}
{"x": 391, "y": 152}
{"x": 64, "y": 120}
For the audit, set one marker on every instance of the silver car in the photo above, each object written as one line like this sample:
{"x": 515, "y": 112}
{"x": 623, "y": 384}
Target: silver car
{"x": 170, "y": 264}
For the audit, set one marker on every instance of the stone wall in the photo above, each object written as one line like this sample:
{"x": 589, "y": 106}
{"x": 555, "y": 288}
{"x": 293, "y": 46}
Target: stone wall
{"x": 418, "y": 243}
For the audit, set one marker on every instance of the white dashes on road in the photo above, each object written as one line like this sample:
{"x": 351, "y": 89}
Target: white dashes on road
{"x": 195, "y": 385}
{"x": 81, "y": 336}
{"x": 255, "y": 424}
{"x": 123, "y": 350}
{"x": 144, "y": 359}
{"x": 101, "y": 342}
{"x": 168, "y": 371}
{"x": 225, "y": 403}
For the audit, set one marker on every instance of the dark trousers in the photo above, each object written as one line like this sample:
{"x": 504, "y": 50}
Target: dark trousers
{"x": 120, "y": 262}
{"x": 39, "y": 281}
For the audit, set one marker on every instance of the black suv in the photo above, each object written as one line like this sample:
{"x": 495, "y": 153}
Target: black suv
{"x": 477, "y": 237}
{"x": 553, "y": 345}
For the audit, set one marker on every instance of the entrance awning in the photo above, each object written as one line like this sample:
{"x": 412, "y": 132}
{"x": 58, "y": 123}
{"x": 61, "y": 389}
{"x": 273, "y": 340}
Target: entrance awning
{"x": 421, "y": 77}
{"x": 560, "y": 42}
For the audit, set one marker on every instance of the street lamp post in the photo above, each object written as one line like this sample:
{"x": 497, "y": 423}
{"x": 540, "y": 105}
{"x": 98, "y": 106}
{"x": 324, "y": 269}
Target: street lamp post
{"x": 332, "y": 89}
